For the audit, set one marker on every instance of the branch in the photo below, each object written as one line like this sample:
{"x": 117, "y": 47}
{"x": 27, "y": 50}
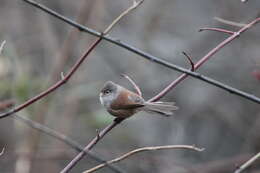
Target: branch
{"x": 117, "y": 120}
{"x": 2, "y": 152}
{"x": 228, "y": 22}
{"x": 137, "y": 89}
{"x": 134, "y": 6}
{"x": 190, "y": 61}
{"x": 151, "y": 57}
{"x": 125, "y": 156}
{"x": 2, "y": 46}
{"x": 92, "y": 143}
{"x": 56, "y": 85}
{"x": 248, "y": 163}
{"x": 61, "y": 137}
{"x": 217, "y": 29}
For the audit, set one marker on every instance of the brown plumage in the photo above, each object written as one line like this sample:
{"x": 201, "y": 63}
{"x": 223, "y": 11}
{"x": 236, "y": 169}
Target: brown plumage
{"x": 121, "y": 102}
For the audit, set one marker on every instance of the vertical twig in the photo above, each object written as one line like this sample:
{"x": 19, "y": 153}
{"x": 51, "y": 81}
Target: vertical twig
{"x": 137, "y": 89}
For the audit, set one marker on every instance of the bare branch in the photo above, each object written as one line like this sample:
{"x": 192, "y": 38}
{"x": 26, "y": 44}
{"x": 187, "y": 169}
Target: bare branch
{"x": 217, "y": 29}
{"x": 137, "y": 89}
{"x": 125, "y": 156}
{"x": 248, "y": 163}
{"x": 92, "y": 143}
{"x": 190, "y": 60}
{"x": 231, "y": 23}
{"x": 134, "y": 6}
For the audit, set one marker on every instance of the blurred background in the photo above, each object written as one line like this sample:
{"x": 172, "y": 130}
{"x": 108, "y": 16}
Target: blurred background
{"x": 40, "y": 47}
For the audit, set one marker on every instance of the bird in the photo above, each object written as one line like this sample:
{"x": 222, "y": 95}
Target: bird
{"x": 123, "y": 103}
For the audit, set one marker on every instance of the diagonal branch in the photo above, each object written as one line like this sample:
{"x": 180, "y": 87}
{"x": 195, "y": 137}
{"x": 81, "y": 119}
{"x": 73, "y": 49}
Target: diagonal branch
{"x": 56, "y": 85}
{"x": 61, "y": 137}
{"x": 136, "y": 87}
{"x": 2, "y": 152}
{"x": 138, "y": 150}
{"x": 248, "y": 163}
{"x": 154, "y": 58}
{"x": 228, "y": 22}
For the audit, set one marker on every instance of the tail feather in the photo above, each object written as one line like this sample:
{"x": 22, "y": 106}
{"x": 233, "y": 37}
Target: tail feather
{"x": 161, "y": 108}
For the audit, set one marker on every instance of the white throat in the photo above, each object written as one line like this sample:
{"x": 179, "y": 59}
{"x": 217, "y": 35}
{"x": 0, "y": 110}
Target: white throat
{"x": 107, "y": 100}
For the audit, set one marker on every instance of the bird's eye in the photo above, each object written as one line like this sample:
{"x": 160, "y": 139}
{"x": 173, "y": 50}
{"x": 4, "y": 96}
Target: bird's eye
{"x": 107, "y": 91}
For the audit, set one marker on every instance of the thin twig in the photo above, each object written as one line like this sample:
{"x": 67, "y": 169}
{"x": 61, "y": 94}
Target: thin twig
{"x": 217, "y": 29}
{"x": 147, "y": 55}
{"x": 190, "y": 60}
{"x": 92, "y": 143}
{"x": 2, "y": 152}
{"x": 136, "y": 87}
{"x": 229, "y": 22}
{"x": 126, "y": 155}
{"x": 2, "y": 46}
{"x": 116, "y": 121}
{"x": 248, "y": 163}
{"x": 134, "y": 6}
{"x": 61, "y": 137}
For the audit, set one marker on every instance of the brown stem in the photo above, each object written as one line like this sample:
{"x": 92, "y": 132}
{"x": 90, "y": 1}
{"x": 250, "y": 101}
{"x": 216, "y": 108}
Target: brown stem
{"x": 137, "y": 89}
{"x": 217, "y": 29}
{"x": 92, "y": 143}
{"x": 56, "y": 85}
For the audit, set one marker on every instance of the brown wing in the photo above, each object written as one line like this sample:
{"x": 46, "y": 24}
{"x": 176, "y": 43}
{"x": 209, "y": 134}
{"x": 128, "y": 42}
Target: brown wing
{"x": 127, "y": 100}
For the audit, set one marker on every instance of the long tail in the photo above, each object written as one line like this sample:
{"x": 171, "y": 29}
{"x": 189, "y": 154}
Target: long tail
{"x": 161, "y": 108}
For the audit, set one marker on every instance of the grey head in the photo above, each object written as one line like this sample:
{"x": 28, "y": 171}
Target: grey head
{"x": 108, "y": 93}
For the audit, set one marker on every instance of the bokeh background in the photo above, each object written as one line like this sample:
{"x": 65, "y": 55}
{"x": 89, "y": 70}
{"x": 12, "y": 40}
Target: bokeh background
{"x": 40, "y": 47}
